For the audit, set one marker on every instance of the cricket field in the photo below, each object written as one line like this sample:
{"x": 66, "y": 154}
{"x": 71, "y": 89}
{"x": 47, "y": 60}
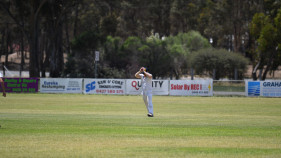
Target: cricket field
{"x": 77, "y": 125}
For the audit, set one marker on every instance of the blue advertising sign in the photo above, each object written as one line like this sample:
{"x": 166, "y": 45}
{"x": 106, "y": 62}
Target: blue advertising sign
{"x": 263, "y": 88}
{"x": 254, "y": 88}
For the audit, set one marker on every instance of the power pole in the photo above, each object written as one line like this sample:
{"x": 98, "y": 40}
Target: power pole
{"x": 97, "y": 58}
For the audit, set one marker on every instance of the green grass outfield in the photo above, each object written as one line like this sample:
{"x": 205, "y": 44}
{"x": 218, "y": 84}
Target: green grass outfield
{"x": 76, "y": 125}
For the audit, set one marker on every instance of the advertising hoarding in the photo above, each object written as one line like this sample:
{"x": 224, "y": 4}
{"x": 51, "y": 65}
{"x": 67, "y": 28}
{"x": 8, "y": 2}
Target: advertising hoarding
{"x": 60, "y": 85}
{"x": 270, "y": 88}
{"x": 26, "y": 85}
{"x": 104, "y": 86}
{"x": 191, "y": 87}
{"x": 159, "y": 87}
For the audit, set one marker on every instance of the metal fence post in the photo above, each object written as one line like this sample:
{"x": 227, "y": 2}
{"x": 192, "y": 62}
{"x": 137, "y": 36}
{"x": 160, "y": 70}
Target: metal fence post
{"x": 235, "y": 74}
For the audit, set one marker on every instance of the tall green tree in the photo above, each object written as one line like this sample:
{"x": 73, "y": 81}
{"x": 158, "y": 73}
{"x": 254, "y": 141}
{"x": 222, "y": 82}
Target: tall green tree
{"x": 180, "y": 48}
{"x": 42, "y": 24}
{"x": 226, "y": 22}
{"x": 81, "y": 61}
{"x": 155, "y": 56}
{"x": 184, "y": 15}
{"x": 55, "y": 14}
{"x": 30, "y": 26}
{"x": 266, "y": 31}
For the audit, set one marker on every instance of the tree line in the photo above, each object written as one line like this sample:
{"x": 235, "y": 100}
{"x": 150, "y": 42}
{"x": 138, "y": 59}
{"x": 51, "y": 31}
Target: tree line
{"x": 171, "y": 36}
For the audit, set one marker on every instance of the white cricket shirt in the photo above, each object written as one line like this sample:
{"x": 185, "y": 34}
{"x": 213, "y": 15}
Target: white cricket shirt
{"x": 146, "y": 83}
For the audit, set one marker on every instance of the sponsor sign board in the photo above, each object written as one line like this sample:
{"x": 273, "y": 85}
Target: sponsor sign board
{"x": 97, "y": 55}
{"x": 159, "y": 87}
{"x": 270, "y": 88}
{"x": 191, "y": 87}
{"x": 27, "y": 85}
{"x": 104, "y": 86}
{"x": 60, "y": 85}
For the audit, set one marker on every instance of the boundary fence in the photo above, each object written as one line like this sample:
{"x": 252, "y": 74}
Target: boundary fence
{"x": 229, "y": 87}
{"x": 199, "y": 87}
{"x": 126, "y": 86}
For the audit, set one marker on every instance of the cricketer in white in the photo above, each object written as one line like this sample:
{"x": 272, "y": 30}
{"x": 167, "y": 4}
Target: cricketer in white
{"x": 146, "y": 83}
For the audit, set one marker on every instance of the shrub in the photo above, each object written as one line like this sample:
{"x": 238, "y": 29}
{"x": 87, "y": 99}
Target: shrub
{"x": 206, "y": 60}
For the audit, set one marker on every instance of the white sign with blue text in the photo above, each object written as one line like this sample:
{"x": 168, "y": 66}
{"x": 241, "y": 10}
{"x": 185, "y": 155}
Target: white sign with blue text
{"x": 60, "y": 85}
{"x": 104, "y": 86}
{"x": 270, "y": 88}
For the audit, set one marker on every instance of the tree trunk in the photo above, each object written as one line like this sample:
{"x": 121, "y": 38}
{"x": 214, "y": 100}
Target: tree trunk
{"x": 47, "y": 51}
{"x": 265, "y": 72}
{"x": 269, "y": 64}
{"x": 22, "y": 54}
{"x": 42, "y": 54}
{"x": 254, "y": 75}
{"x": 60, "y": 61}
{"x": 67, "y": 36}
{"x": 46, "y": 62}
{"x": 56, "y": 57}
{"x": 176, "y": 74}
{"x": 34, "y": 64}
{"x": 76, "y": 20}
{"x": 11, "y": 50}
{"x": 237, "y": 24}
{"x": 7, "y": 43}
{"x": 254, "y": 72}
{"x": 2, "y": 43}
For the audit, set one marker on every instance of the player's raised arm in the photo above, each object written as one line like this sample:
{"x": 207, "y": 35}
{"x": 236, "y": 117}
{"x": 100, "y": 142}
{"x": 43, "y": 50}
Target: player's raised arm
{"x": 148, "y": 75}
{"x": 137, "y": 75}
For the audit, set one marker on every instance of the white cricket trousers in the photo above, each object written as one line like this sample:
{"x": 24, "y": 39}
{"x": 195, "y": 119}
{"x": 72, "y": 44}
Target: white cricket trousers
{"x": 147, "y": 98}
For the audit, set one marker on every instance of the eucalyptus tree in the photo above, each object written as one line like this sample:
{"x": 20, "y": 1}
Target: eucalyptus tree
{"x": 267, "y": 50}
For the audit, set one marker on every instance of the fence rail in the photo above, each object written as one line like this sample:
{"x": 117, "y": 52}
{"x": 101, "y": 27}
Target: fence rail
{"x": 229, "y": 87}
